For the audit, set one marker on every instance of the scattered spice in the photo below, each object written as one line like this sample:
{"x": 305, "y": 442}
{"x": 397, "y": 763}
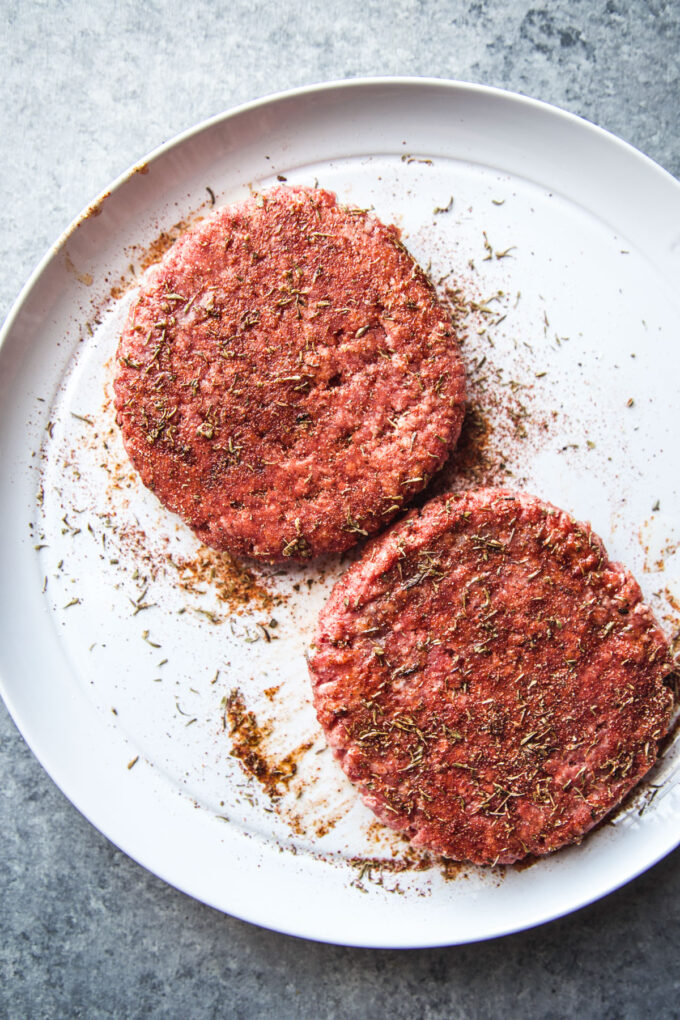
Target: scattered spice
{"x": 248, "y": 740}
{"x": 155, "y": 251}
{"x": 438, "y": 209}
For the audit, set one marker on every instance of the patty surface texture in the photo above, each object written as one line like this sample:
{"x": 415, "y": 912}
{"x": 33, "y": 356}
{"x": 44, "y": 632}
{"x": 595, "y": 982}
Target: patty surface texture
{"x": 491, "y": 682}
{"x": 287, "y": 379}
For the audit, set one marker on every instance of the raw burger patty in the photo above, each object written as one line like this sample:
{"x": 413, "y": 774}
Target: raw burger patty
{"x": 287, "y": 380}
{"x": 489, "y": 679}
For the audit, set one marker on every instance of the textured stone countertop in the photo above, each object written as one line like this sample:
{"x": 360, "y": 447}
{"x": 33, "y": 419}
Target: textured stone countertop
{"x": 87, "y": 89}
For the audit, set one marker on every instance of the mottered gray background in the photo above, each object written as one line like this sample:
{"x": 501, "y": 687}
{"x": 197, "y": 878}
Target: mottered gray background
{"x": 87, "y": 89}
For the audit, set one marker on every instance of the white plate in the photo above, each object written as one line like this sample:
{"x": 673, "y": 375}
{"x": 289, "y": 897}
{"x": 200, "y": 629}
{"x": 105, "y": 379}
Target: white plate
{"x": 589, "y": 280}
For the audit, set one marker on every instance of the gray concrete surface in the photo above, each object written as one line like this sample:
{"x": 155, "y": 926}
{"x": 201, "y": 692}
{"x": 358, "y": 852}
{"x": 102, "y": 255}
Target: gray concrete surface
{"x": 87, "y": 88}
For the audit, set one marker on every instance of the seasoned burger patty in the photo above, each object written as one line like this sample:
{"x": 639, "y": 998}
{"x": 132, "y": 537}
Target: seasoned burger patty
{"x": 287, "y": 379}
{"x": 489, "y": 679}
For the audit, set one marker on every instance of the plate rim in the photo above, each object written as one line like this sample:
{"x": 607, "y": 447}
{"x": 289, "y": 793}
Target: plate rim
{"x": 177, "y": 140}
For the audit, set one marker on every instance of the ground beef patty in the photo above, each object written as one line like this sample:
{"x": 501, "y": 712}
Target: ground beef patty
{"x": 287, "y": 379}
{"x": 492, "y": 683}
